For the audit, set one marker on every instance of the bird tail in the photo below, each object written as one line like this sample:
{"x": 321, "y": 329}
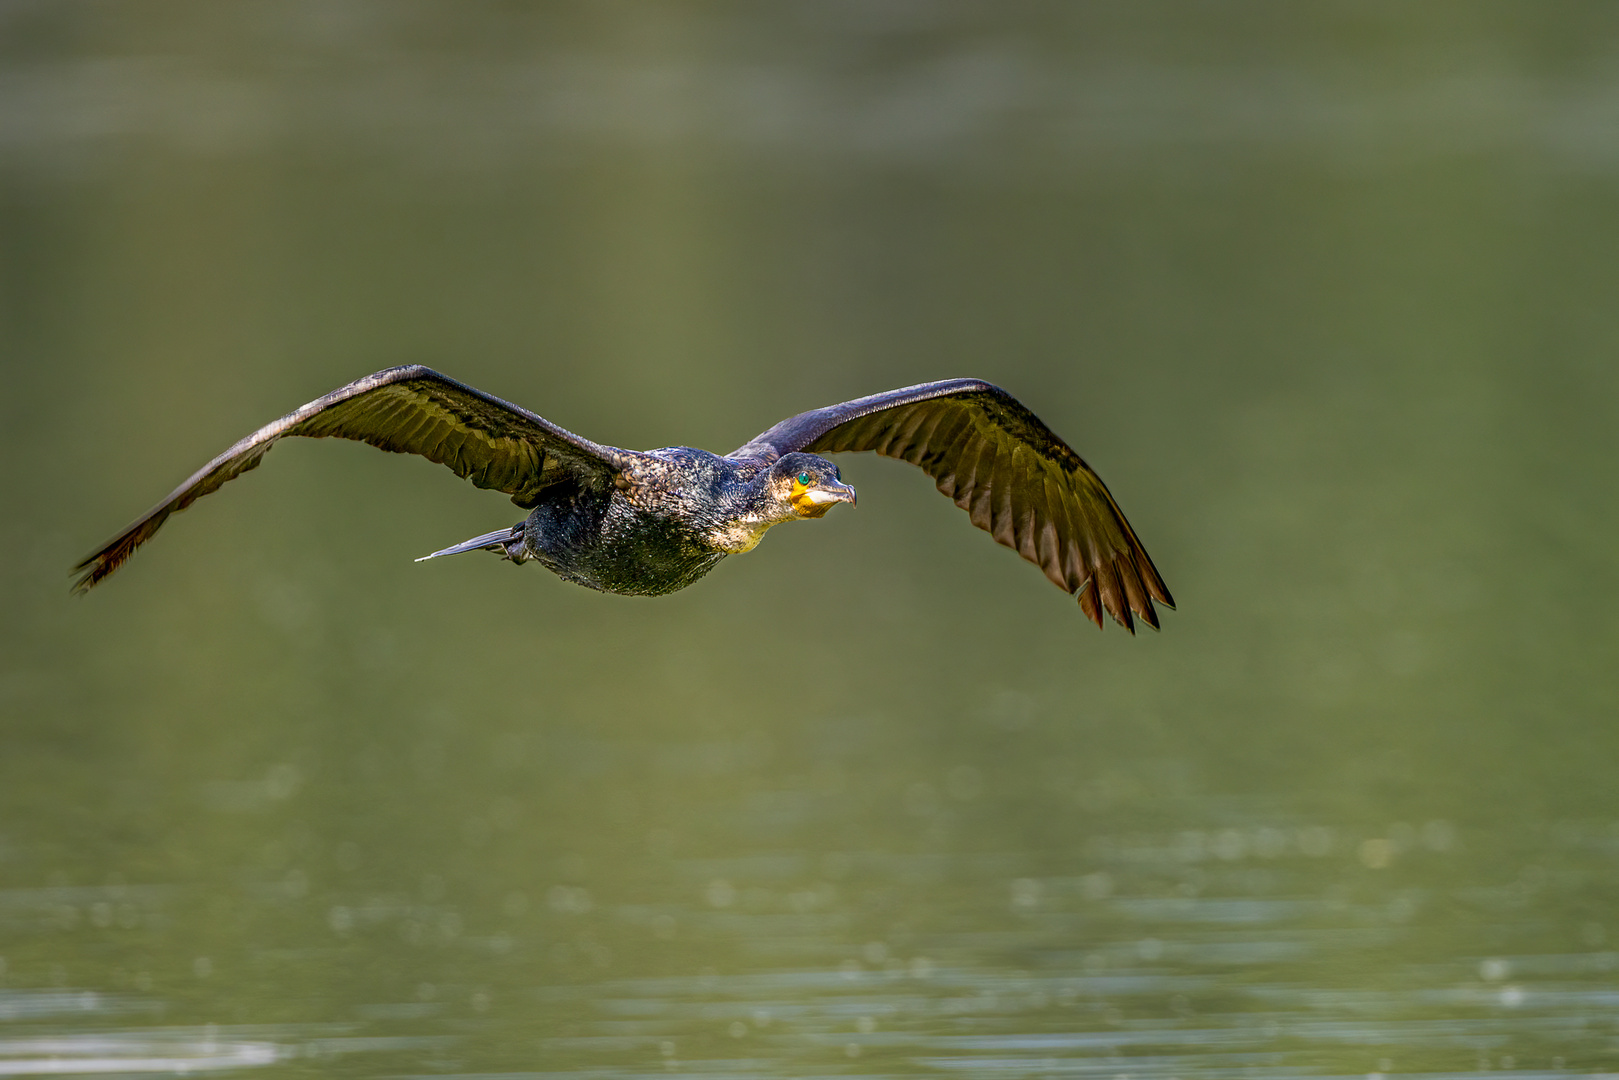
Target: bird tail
{"x": 508, "y": 542}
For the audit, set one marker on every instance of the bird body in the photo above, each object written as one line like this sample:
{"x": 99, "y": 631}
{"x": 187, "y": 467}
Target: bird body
{"x": 605, "y": 541}
{"x": 672, "y": 515}
{"x": 647, "y": 523}
{"x": 673, "y": 519}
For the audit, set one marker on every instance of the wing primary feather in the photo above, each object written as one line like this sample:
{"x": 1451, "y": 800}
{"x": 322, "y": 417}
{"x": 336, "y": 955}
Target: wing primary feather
{"x": 1073, "y": 559}
{"x": 982, "y": 492}
{"x": 1143, "y": 562}
{"x": 1051, "y": 555}
{"x": 1133, "y": 591}
{"x": 1113, "y": 594}
{"x": 982, "y": 512}
{"x": 1088, "y": 603}
{"x": 1149, "y": 575}
{"x": 1047, "y": 541}
{"x": 1005, "y": 524}
{"x": 1027, "y": 517}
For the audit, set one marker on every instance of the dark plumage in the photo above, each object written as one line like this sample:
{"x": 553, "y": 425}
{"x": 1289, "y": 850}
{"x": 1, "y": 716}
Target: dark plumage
{"x": 648, "y": 523}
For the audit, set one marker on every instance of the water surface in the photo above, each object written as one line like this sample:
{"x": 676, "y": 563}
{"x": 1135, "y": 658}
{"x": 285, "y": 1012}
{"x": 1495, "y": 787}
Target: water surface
{"x": 1325, "y": 294}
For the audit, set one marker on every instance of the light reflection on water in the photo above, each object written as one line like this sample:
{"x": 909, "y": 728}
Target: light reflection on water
{"x": 132, "y": 1052}
{"x": 1175, "y": 978}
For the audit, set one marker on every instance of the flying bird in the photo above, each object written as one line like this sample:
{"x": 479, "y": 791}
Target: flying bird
{"x": 645, "y": 523}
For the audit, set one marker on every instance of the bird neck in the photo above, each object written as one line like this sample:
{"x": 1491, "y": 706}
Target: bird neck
{"x": 757, "y": 504}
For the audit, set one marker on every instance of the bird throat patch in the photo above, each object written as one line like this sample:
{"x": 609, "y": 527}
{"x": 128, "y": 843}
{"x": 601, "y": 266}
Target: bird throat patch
{"x": 739, "y": 536}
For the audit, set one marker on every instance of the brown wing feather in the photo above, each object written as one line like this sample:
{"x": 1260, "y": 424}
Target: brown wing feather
{"x": 407, "y": 410}
{"x": 1016, "y": 479}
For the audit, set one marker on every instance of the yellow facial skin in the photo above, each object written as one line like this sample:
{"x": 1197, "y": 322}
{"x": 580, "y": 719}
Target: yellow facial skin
{"x": 813, "y": 501}
{"x": 799, "y": 498}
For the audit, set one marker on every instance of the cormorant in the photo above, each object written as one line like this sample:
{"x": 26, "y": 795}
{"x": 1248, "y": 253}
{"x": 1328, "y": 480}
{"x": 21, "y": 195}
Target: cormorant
{"x": 648, "y": 523}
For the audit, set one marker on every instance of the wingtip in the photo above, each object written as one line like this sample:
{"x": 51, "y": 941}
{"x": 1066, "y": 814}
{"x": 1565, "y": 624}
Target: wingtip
{"x": 1155, "y": 583}
{"x": 85, "y": 576}
{"x": 91, "y": 570}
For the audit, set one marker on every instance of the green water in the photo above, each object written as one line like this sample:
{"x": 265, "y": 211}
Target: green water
{"x": 1325, "y": 292}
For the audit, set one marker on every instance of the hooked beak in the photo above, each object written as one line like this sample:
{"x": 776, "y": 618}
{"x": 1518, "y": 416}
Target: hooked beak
{"x": 815, "y": 501}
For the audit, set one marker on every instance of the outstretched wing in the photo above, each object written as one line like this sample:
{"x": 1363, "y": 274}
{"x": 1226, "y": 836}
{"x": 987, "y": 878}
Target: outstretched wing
{"x": 408, "y": 410}
{"x": 1019, "y": 482}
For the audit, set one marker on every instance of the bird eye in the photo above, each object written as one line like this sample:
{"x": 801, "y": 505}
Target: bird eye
{"x": 804, "y": 479}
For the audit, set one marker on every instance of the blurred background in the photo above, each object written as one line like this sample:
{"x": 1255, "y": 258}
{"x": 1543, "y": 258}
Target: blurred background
{"x": 1325, "y": 292}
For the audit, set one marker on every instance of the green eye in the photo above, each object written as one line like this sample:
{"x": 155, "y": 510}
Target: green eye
{"x": 804, "y": 479}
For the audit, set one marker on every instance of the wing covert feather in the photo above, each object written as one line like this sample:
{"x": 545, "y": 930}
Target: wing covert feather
{"x": 405, "y": 410}
{"x": 1015, "y": 478}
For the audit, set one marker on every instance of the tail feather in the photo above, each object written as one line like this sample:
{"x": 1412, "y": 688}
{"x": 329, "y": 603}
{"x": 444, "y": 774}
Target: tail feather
{"x": 503, "y": 541}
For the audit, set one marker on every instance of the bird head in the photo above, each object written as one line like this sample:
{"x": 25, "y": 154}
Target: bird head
{"x": 810, "y": 484}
